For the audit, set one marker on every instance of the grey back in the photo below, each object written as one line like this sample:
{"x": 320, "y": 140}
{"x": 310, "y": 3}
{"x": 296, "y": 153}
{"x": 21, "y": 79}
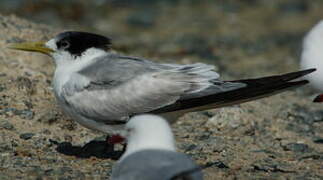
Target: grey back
{"x": 156, "y": 165}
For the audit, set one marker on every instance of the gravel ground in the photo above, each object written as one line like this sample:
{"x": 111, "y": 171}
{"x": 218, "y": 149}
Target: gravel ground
{"x": 280, "y": 137}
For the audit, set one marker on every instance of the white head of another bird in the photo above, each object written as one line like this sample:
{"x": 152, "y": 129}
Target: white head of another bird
{"x": 148, "y": 132}
{"x": 312, "y": 55}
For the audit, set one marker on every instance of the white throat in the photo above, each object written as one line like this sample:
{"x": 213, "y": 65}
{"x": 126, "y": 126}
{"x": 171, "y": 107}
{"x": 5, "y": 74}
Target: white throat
{"x": 67, "y": 65}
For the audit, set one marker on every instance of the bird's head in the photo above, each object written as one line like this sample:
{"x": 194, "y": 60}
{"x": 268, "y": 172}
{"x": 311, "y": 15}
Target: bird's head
{"x": 68, "y": 46}
{"x": 148, "y": 132}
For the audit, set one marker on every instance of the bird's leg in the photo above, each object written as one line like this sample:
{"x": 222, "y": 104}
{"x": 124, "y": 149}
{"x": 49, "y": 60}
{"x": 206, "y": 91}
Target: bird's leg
{"x": 108, "y": 144}
{"x": 114, "y": 139}
{"x": 124, "y": 148}
{"x": 318, "y": 98}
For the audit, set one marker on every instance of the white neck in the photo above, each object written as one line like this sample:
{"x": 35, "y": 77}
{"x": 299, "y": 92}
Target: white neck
{"x": 67, "y": 65}
{"x": 136, "y": 144}
{"x": 160, "y": 137}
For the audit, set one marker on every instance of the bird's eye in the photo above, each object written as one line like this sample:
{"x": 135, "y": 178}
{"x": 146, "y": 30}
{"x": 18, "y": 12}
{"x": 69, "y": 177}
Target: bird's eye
{"x": 129, "y": 131}
{"x": 64, "y": 44}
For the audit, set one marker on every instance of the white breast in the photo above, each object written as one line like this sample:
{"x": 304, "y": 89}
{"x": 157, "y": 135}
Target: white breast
{"x": 67, "y": 66}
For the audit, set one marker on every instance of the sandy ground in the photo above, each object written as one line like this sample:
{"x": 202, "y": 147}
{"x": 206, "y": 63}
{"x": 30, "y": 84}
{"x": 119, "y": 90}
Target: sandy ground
{"x": 280, "y": 137}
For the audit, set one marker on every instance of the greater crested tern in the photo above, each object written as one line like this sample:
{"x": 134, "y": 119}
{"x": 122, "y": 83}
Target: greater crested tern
{"x": 101, "y": 90}
{"x": 151, "y": 153}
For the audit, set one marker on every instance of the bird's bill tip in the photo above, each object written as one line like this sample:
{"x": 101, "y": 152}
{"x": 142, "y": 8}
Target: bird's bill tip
{"x": 31, "y": 46}
{"x": 318, "y": 99}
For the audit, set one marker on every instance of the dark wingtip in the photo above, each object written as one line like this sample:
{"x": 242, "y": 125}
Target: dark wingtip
{"x": 318, "y": 99}
{"x": 307, "y": 71}
{"x": 298, "y": 74}
{"x": 303, "y": 82}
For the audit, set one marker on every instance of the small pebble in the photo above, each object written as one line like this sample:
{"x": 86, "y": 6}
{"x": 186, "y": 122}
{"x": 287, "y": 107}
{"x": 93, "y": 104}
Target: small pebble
{"x": 48, "y": 117}
{"x": 26, "y": 136}
{"x": 2, "y": 88}
{"x": 6, "y": 125}
{"x": 26, "y": 114}
{"x": 190, "y": 147}
{"x": 296, "y": 147}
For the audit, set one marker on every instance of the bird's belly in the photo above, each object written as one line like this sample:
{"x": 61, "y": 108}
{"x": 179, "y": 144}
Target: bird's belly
{"x": 89, "y": 123}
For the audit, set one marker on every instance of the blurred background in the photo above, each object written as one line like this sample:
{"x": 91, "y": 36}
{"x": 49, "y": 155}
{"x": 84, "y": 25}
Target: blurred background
{"x": 260, "y": 34}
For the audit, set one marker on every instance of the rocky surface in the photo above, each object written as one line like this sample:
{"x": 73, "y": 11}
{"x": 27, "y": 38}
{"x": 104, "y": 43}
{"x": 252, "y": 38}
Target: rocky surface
{"x": 280, "y": 137}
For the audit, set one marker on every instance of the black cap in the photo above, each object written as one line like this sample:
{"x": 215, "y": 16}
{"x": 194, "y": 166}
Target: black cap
{"x": 78, "y": 42}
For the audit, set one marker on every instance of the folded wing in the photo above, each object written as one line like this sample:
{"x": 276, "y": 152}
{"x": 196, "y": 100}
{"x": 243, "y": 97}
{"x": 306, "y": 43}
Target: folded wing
{"x": 120, "y": 86}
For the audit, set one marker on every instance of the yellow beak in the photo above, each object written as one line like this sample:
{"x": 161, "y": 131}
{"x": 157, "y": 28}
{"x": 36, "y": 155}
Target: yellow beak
{"x": 32, "y": 46}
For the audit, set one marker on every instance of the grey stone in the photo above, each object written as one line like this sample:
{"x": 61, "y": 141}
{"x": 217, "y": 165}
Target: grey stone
{"x": 48, "y": 117}
{"x": 296, "y": 147}
{"x": 6, "y": 125}
{"x": 2, "y": 88}
{"x": 26, "y": 114}
{"x": 26, "y": 136}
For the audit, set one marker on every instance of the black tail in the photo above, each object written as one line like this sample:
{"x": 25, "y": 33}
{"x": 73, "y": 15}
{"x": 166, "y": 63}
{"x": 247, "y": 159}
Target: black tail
{"x": 254, "y": 89}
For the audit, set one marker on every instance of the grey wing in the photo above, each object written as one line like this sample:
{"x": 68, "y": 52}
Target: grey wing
{"x": 113, "y": 69}
{"x": 120, "y": 86}
{"x": 155, "y": 165}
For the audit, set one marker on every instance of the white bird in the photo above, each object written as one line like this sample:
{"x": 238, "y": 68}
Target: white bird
{"x": 151, "y": 153}
{"x": 101, "y": 90}
{"x": 312, "y": 56}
